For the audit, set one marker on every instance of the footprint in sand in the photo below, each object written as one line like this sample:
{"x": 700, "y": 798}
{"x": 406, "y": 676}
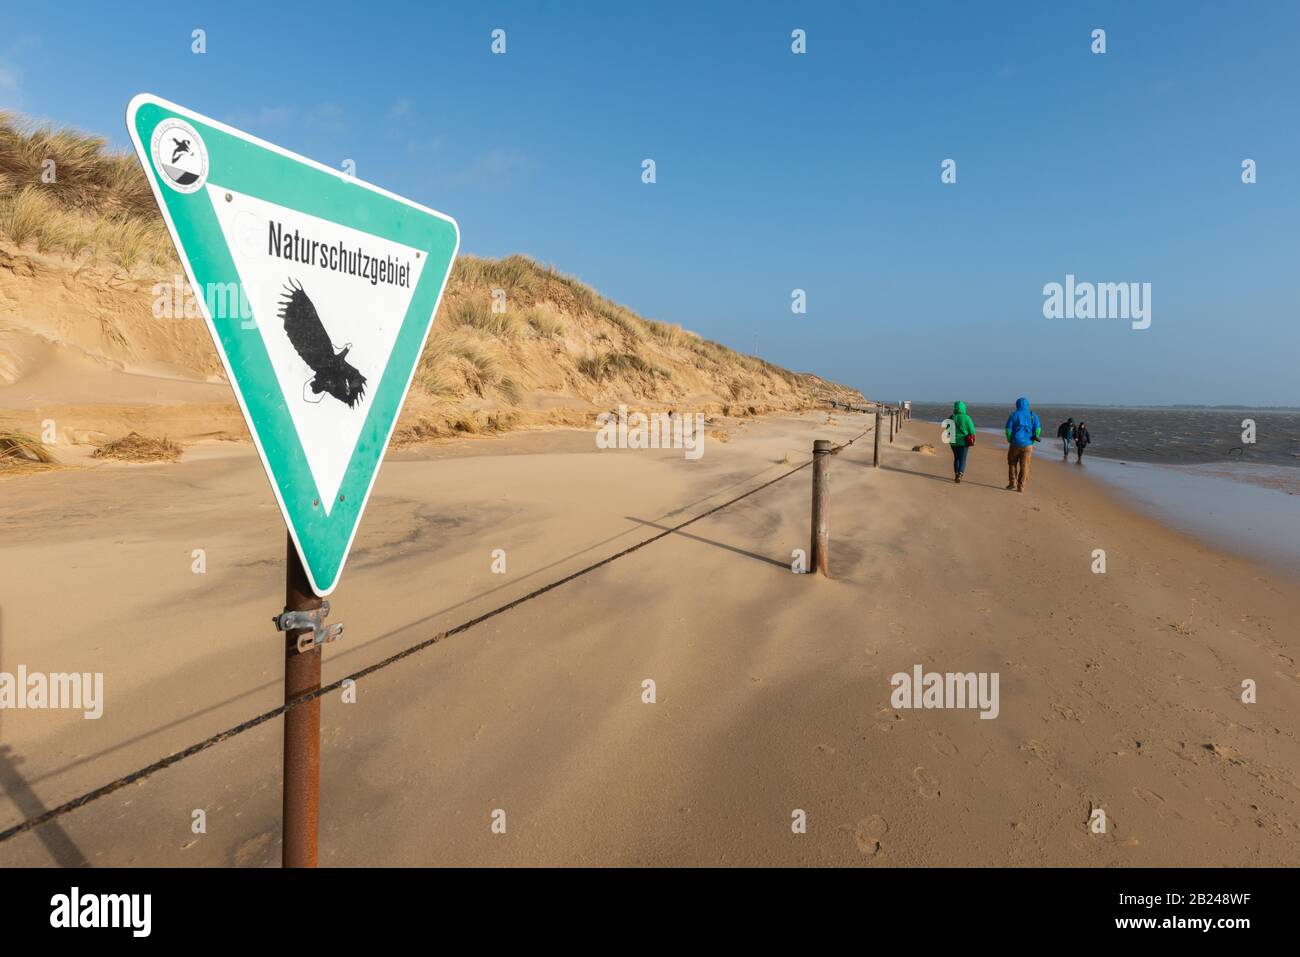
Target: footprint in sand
{"x": 256, "y": 851}
{"x": 1180, "y": 750}
{"x": 1127, "y": 744}
{"x": 868, "y": 834}
{"x": 887, "y": 719}
{"x": 1222, "y": 813}
{"x": 942, "y": 744}
{"x": 1151, "y": 798}
{"x": 1224, "y": 753}
{"x": 1039, "y": 750}
{"x": 1066, "y": 713}
{"x": 927, "y": 785}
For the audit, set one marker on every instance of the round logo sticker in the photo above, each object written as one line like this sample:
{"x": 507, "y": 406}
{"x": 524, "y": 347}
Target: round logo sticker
{"x": 180, "y": 155}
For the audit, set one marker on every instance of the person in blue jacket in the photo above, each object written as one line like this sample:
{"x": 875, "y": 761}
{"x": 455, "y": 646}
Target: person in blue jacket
{"x": 1023, "y": 429}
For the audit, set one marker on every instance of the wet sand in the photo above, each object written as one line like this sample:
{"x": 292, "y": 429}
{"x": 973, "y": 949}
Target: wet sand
{"x": 1252, "y": 510}
{"x": 1118, "y": 691}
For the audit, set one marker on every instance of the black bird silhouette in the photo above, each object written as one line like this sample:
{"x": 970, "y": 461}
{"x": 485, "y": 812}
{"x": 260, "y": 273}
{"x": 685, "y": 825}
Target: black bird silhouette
{"x": 182, "y": 146}
{"x": 333, "y": 373}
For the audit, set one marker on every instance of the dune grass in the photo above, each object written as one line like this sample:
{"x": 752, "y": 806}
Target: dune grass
{"x": 668, "y": 334}
{"x": 624, "y": 350}
{"x": 62, "y": 191}
{"x": 632, "y": 325}
{"x": 483, "y": 367}
{"x": 19, "y": 448}
{"x": 607, "y": 365}
{"x": 479, "y": 315}
{"x": 742, "y": 387}
{"x": 134, "y": 447}
{"x": 77, "y": 169}
{"x": 519, "y": 276}
{"x": 460, "y": 360}
{"x": 546, "y": 321}
{"x": 25, "y": 213}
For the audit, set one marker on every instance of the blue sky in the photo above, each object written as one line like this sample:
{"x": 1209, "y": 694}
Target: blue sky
{"x": 779, "y": 171}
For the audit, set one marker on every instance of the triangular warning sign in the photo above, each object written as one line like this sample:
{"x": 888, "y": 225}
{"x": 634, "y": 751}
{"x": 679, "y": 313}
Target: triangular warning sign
{"x": 319, "y": 291}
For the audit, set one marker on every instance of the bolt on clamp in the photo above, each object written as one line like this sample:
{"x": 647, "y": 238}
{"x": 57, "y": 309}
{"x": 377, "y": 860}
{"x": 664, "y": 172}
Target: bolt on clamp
{"x": 314, "y": 621}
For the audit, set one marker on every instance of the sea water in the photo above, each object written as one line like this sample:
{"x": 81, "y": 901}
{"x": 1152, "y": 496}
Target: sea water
{"x": 1193, "y": 468}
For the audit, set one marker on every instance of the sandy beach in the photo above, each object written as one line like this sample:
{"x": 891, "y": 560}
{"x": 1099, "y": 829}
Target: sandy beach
{"x": 1119, "y": 691}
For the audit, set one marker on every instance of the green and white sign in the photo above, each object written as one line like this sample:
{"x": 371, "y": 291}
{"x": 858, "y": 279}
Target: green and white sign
{"x": 319, "y": 291}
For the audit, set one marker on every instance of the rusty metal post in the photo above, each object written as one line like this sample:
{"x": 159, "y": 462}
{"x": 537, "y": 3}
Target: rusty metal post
{"x": 821, "y": 530}
{"x": 875, "y": 462}
{"x": 301, "y": 725}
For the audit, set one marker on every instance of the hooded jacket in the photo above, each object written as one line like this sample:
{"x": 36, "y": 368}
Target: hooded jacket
{"x": 962, "y": 424}
{"x": 1023, "y": 425}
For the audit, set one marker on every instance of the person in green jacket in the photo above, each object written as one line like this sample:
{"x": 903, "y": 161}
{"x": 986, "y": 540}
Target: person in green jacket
{"x": 963, "y": 437}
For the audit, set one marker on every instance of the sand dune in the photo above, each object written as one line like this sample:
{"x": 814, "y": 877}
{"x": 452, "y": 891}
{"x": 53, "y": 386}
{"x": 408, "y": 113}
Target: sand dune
{"x": 98, "y": 327}
{"x": 82, "y": 347}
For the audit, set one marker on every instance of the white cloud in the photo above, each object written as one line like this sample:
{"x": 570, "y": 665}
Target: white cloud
{"x": 266, "y": 118}
{"x": 497, "y": 167}
{"x": 269, "y": 120}
{"x": 327, "y": 117}
{"x": 10, "y": 88}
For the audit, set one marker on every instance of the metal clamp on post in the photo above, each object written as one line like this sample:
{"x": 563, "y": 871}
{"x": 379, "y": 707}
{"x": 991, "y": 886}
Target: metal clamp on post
{"x": 314, "y": 621}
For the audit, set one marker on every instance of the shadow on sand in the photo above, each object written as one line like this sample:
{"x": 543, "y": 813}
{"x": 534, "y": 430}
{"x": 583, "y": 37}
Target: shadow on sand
{"x": 784, "y": 566}
{"x": 61, "y": 847}
{"x": 945, "y": 479}
{"x": 424, "y": 621}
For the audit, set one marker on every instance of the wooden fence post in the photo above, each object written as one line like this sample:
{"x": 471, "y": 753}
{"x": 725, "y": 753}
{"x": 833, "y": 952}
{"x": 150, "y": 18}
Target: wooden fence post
{"x": 821, "y": 506}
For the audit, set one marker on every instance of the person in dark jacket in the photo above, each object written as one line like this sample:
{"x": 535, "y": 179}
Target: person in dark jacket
{"x": 962, "y": 438}
{"x": 1065, "y": 432}
{"x": 1081, "y": 440}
